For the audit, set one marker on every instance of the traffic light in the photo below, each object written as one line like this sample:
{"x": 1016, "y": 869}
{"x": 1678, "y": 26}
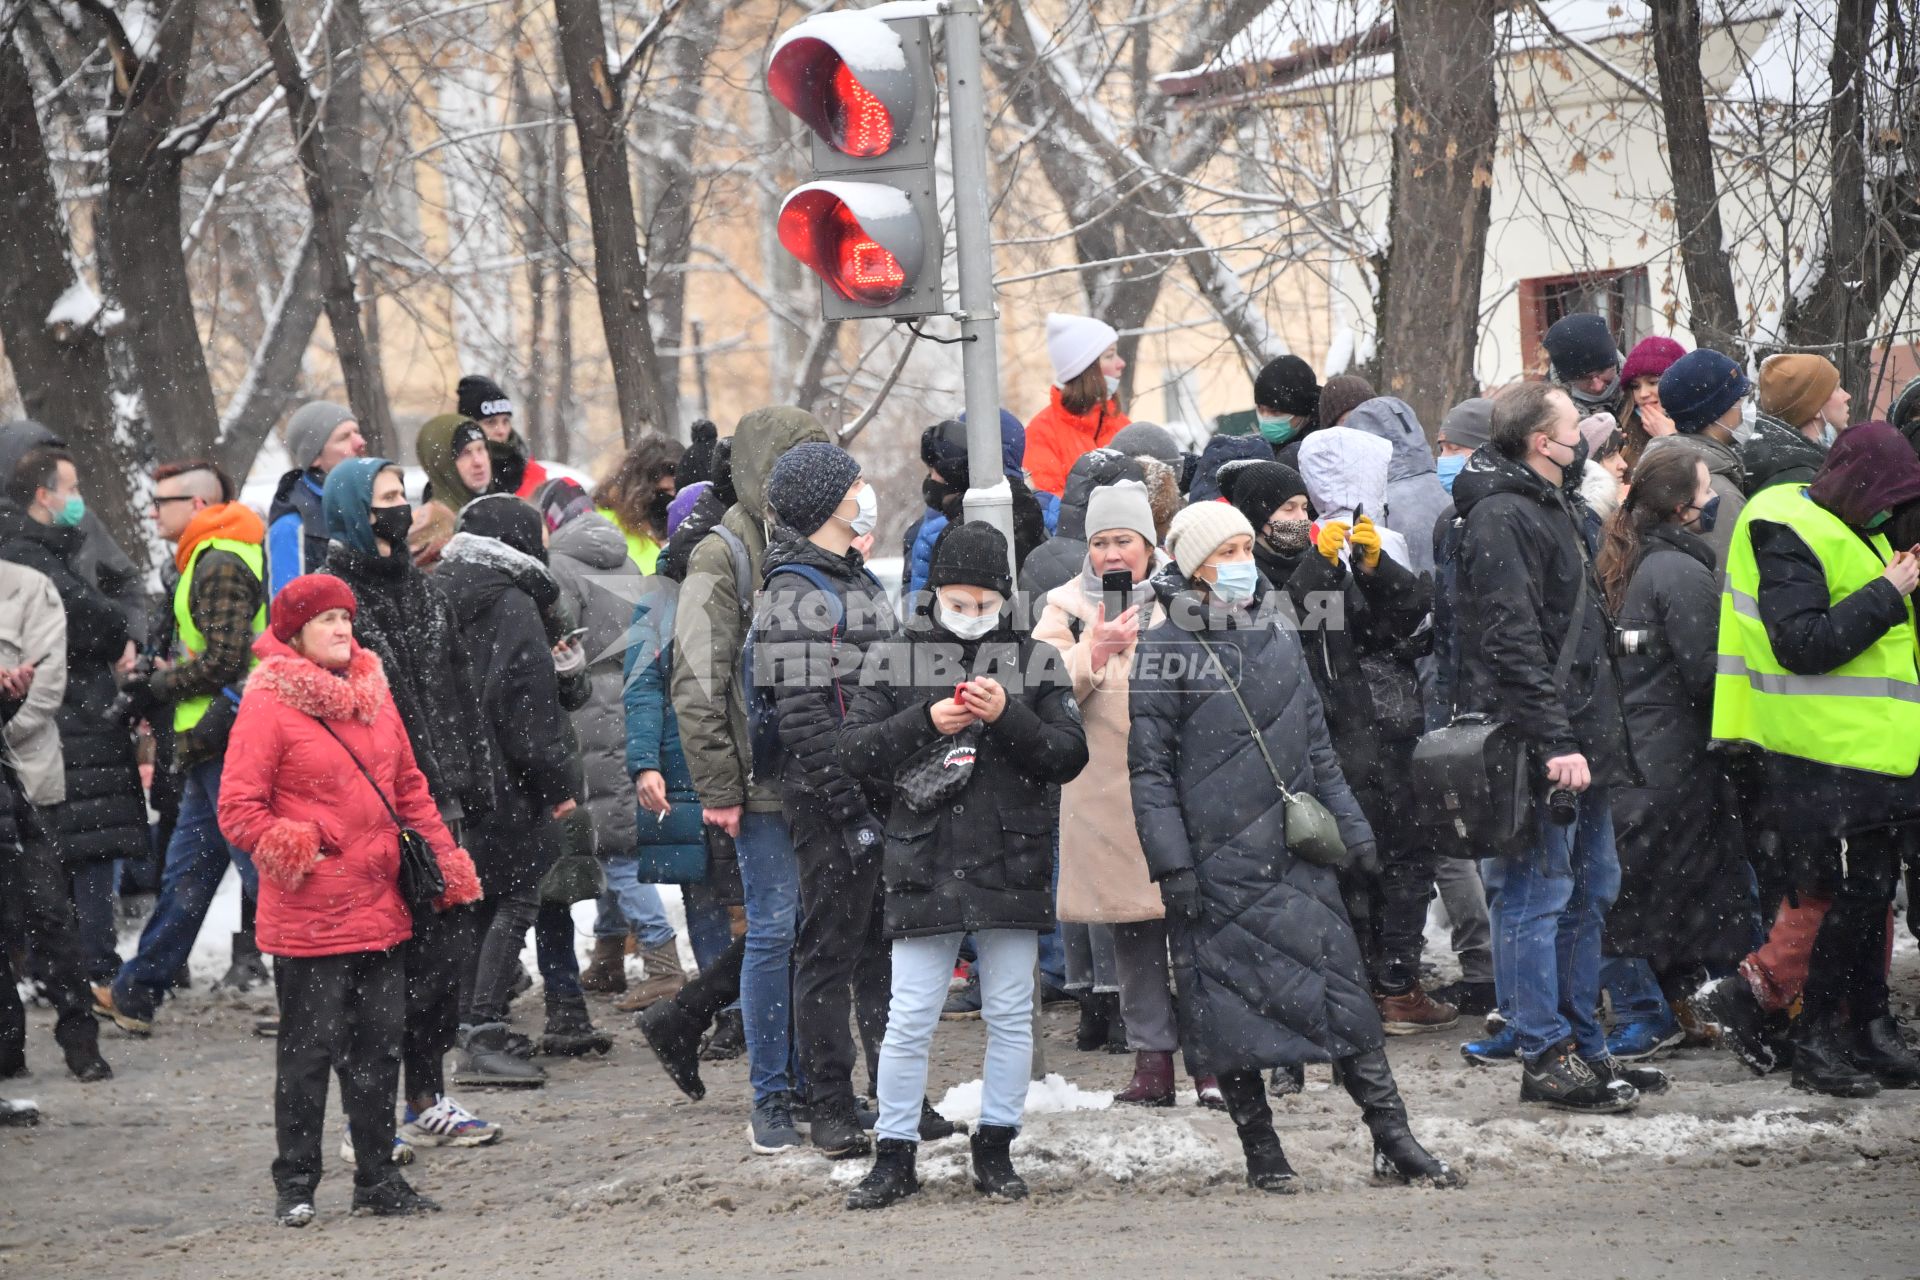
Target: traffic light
{"x": 869, "y": 223}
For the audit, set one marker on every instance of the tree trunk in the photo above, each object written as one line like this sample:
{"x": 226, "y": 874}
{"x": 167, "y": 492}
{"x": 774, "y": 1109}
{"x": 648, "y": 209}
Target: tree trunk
{"x": 61, "y": 370}
{"x": 1715, "y": 318}
{"x": 620, "y": 277}
{"x": 331, "y": 211}
{"x": 559, "y": 224}
{"x": 1445, "y": 128}
{"x": 139, "y": 228}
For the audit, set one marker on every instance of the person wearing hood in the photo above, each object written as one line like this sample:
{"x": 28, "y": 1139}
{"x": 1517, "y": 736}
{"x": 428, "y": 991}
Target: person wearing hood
{"x": 102, "y": 812}
{"x": 403, "y": 618}
{"x": 591, "y": 562}
{"x": 1605, "y": 471}
{"x": 1058, "y": 559}
{"x": 638, "y": 495}
{"x": 1643, "y": 419}
{"x": 1705, "y": 393}
{"x": 1817, "y": 670}
{"x": 481, "y": 400}
{"x": 1286, "y": 404}
{"x": 1415, "y": 497}
{"x": 100, "y": 559}
{"x": 1221, "y": 452}
{"x": 710, "y": 700}
{"x": 943, "y": 450}
{"x": 1803, "y": 390}
{"x": 1586, "y": 362}
{"x": 1370, "y": 694}
{"x": 319, "y": 437}
{"x": 1268, "y": 969}
{"x": 1083, "y": 413}
{"x": 966, "y": 854}
{"x": 496, "y": 573}
{"x": 453, "y": 452}
{"x": 321, "y": 778}
{"x": 219, "y": 599}
{"x": 1525, "y": 595}
{"x": 1103, "y": 873}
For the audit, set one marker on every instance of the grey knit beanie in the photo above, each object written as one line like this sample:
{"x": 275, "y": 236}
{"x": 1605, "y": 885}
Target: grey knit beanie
{"x": 808, "y": 482}
{"x": 309, "y": 427}
{"x": 1121, "y": 505}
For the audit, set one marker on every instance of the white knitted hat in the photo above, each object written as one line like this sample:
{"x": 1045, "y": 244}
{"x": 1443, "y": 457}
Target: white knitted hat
{"x": 1199, "y": 530}
{"x": 1074, "y": 343}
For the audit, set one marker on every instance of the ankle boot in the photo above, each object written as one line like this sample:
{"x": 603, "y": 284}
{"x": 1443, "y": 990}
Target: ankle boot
{"x": 1267, "y": 1167}
{"x": 1820, "y": 1061}
{"x": 1152, "y": 1083}
{"x": 993, "y": 1173}
{"x": 606, "y": 972}
{"x": 1397, "y": 1155}
{"x": 891, "y": 1179}
{"x": 1097, "y": 1010}
{"x": 1880, "y": 1050}
{"x": 86, "y": 1064}
{"x": 674, "y": 1036}
{"x": 665, "y": 977}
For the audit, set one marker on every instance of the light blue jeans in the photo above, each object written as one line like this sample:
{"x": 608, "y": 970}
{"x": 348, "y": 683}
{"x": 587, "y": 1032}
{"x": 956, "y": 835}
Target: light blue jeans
{"x": 921, "y": 969}
{"x": 770, "y": 879}
{"x": 630, "y": 905}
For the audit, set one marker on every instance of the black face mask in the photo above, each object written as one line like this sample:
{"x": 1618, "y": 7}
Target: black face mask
{"x": 657, "y": 510}
{"x": 941, "y": 496}
{"x": 391, "y": 524}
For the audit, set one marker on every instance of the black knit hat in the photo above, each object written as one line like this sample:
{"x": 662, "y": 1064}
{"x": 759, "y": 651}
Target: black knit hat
{"x": 1580, "y": 345}
{"x": 505, "y": 518}
{"x": 808, "y": 482}
{"x": 480, "y": 397}
{"x": 696, "y": 464}
{"x": 1288, "y": 385}
{"x": 973, "y": 554}
{"x": 1259, "y": 488}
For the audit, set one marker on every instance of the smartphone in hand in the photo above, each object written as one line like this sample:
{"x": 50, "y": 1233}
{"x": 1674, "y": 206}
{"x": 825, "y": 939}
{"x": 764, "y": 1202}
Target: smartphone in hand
{"x": 1116, "y": 588}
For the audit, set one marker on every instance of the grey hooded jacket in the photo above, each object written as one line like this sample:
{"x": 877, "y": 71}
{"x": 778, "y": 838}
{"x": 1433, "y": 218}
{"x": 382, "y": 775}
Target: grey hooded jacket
{"x": 599, "y": 583}
{"x": 1415, "y": 496}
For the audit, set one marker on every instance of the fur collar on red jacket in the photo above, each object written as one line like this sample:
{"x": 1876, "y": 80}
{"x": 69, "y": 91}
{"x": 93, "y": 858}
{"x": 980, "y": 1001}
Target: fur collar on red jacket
{"x": 310, "y": 688}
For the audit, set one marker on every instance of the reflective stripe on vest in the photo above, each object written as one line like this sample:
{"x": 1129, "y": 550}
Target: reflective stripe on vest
{"x": 190, "y": 642}
{"x": 1864, "y": 714}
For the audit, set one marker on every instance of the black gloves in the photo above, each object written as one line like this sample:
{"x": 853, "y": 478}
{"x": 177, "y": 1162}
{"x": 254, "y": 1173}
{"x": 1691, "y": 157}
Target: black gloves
{"x": 863, "y": 838}
{"x": 1366, "y": 857}
{"x": 1180, "y": 894}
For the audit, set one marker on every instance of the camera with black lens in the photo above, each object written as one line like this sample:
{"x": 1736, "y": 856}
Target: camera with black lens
{"x": 1562, "y": 806}
{"x": 1624, "y": 641}
{"x": 135, "y": 700}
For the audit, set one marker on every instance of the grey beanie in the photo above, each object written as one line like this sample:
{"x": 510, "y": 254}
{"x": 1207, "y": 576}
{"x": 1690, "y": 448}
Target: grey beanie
{"x": 808, "y": 482}
{"x": 1148, "y": 439}
{"x": 1469, "y": 424}
{"x": 1121, "y": 505}
{"x": 309, "y": 427}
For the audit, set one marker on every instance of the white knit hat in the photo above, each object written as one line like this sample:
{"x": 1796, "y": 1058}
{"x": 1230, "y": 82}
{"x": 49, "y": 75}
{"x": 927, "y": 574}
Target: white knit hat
{"x": 1199, "y": 530}
{"x": 1121, "y": 505}
{"x": 1074, "y": 343}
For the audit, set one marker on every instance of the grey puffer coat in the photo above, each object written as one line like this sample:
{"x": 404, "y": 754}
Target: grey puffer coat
{"x": 1271, "y": 972}
{"x": 599, "y": 585}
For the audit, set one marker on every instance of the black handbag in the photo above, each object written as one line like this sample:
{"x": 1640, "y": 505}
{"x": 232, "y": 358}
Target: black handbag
{"x": 938, "y": 770}
{"x": 1473, "y": 779}
{"x": 421, "y": 882}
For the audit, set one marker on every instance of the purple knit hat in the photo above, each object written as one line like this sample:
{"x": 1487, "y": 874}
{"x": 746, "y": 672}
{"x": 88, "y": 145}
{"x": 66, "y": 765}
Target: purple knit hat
{"x": 682, "y": 505}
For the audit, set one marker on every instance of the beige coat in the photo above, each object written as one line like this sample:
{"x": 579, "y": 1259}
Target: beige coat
{"x": 33, "y": 628}
{"x": 1103, "y": 873}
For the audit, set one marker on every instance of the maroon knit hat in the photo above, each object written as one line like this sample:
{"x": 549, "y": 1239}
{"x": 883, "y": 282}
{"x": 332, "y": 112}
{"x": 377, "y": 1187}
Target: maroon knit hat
{"x": 1650, "y": 358}
{"x": 306, "y": 598}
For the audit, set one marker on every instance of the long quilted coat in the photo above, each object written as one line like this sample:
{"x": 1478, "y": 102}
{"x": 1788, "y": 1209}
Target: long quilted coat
{"x": 1271, "y": 972}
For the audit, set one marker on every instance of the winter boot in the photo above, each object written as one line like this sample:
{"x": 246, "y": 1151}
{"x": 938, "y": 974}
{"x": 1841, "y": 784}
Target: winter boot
{"x": 727, "y": 1040}
{"x": 1152, "y": 1083}
{"x": 1207, "y": 1088}
{"x": 665, "y": 977}
{"x": 1560, "y": 1078}
{"x": 248, "y": 969}
{"x": 1117, "y": 1029}
{"x": 1267, "y": 1167}
{"x": 13, "y": 1061}
{"x": 1880, "y": 1050}
{"x": 934, "y": 1126}
{"x": 18, "y": 1113}
{"x": 674, "y": 1037}
{"x": 1413, "y": 1011}
{"x": 391, "y": 1198}
{"x": 964, "y": 1003}
{"x": 1731, "y": 1005}
{"x": 835, "y": 1129}
{"x": 606, "y": 971}
{"x": 891, "y": 1179}
{"x": 1397, "y": 1155}
{"x": 1821, "y": 1063}
{"x": 1288, "y": 1080}
{"x": 1097, "y": 1011}
{"x": 1472, "y": 999}
{"x": 993, "y": 1174}
{"x": 86, "y": 1064}
{"x": 570, "y": 1032}
{"x": 488, "y": 1062}
{"x": 293, "y": 1208}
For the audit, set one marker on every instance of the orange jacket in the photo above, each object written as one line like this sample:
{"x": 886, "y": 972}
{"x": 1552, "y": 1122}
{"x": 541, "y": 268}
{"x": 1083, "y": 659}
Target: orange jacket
{"x": 1056, "y": 439}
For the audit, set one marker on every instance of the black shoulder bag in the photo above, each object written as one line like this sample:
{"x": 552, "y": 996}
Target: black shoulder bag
{"x": 421, "y": 882}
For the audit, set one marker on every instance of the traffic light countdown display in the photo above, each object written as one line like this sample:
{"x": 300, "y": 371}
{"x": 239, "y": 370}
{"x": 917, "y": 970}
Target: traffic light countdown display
{"x": 869, "y": 223}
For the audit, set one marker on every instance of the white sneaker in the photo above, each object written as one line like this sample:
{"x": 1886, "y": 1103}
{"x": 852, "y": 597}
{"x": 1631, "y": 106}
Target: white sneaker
{"x": 448, "y": 1124}
{"x": 402, "y": 1153}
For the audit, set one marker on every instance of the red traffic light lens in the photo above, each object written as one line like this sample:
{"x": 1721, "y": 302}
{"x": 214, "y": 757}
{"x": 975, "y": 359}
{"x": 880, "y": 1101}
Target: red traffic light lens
{"x": 862, "y": 124}
{"x": 812, "y": 78}
{"x": 820, "y": 230}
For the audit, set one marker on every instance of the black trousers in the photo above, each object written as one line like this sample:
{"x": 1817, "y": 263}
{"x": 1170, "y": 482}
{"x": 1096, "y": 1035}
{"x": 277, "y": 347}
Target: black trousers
{"x": 342, "y": 1014}
{"x": 1389, "y": 910}
{"x": 437, "y": 957}
{"x": 715, "y": 987}
{"x": 1848, "y": 964}
{"x": 33, "y": 895}
{"x": 842, "y": 966}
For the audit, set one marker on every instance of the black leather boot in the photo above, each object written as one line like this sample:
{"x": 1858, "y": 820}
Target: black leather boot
{"x": 1821, "y": 1063}
{"x": 891, "y": 1179}
{"x": 1882, "y": 1052}
{"x": 674, "y": 1036}
{"x": 1397, "y": 1155}
{"x": 993, "y": 1173}
{"x": 1267, "y": 1167}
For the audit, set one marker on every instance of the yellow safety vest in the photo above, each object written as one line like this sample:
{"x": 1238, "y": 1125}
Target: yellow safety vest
{"x": 1864, "y": 714}
{"x": 190, "y": 642}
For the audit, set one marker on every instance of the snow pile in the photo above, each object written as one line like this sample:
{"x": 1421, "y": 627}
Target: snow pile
{"x": 1063, "y": 1151}
{"x": 1672, "y": 1138}
{"x": 863, "y": 42}
{"x": 1050, "y": 1096}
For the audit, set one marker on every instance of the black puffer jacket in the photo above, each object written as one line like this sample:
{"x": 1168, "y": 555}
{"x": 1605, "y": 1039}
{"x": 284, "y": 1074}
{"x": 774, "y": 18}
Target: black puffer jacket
{"x": 811, "y": 647}
{"x": 1684, "y": 896}
{"x": 406, "y": 620}
{"x": 1777, "y": 454}
{"x": 984, "y": 858}
{"x": 105, "y": 812}
{"x": 1057, "y": 561}
{"x": 1271, "y": 972}
{"x": 1521, "y": 558}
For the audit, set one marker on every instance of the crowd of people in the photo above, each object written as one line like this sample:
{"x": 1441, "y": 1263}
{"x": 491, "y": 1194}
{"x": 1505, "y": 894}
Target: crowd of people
{"x": 1155, "y": 755}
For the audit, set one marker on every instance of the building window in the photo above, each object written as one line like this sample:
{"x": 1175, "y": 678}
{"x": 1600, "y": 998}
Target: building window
{"x": 1621, "y": 296}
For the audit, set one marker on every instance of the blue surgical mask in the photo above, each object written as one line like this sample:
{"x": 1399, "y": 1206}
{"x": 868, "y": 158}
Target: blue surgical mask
{"x": 1276, "y": 430}
{"x": 1235, "y": 580}
{"x": 1449, "y": 468}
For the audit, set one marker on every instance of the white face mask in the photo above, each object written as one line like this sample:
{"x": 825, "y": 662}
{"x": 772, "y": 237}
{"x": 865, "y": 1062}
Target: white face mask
{"x": 868, "y": 515}
{"x": 1113, "y": 386}
{"x": 1748, "y": 412}
{"x": 968, "y": 626}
